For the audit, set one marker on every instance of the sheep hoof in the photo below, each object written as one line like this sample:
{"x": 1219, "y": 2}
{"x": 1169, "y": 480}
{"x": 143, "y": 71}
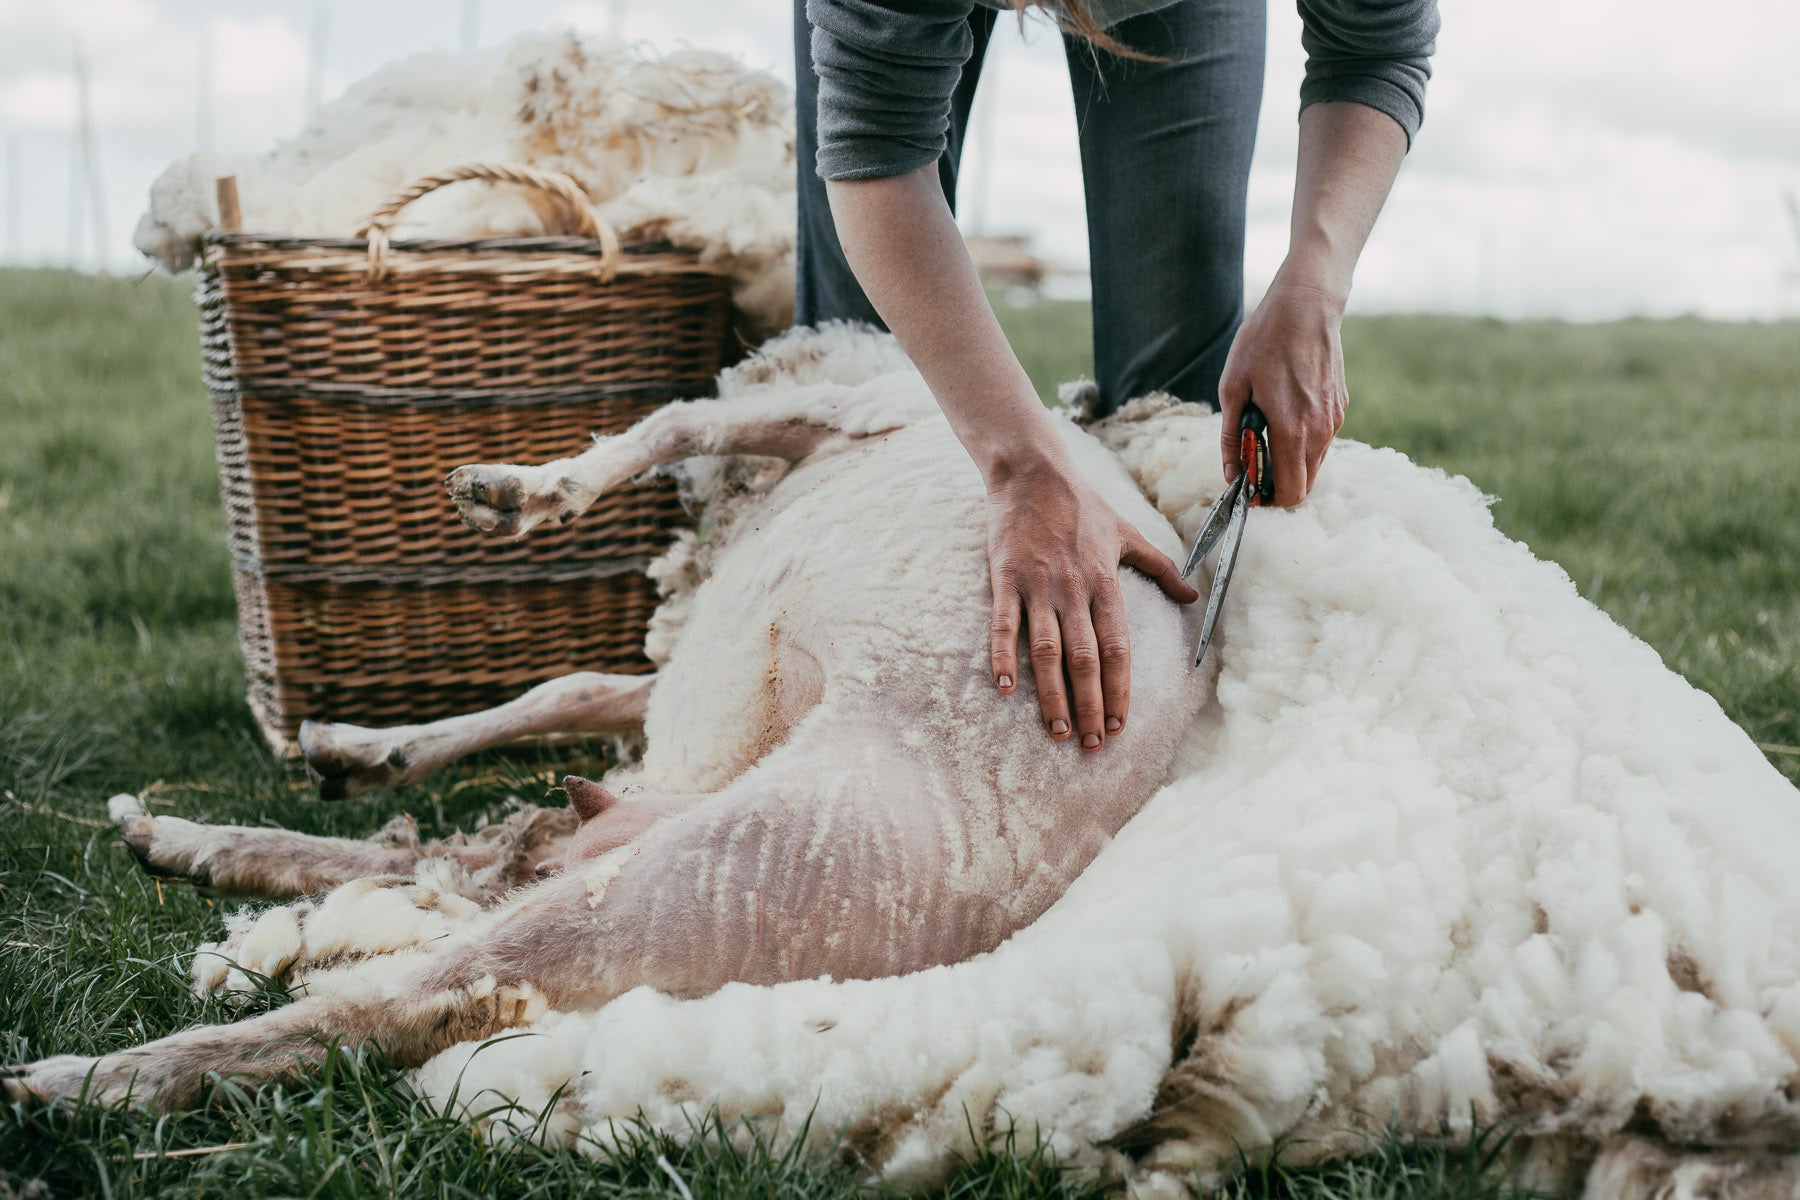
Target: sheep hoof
{"x": 491, "y": 487}
{"x": 493, "y": 500}
{"x": 156, "y": 843}
{"x": 346, "y": 760}
{"x": 16, "y": 1086}
{"x": 65, "y": 1077}
{"x": 506, "y": 501}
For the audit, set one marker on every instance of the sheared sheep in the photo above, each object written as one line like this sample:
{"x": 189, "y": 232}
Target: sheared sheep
{"x": 828, "y": 786}
{"x": 1439, "y": 844}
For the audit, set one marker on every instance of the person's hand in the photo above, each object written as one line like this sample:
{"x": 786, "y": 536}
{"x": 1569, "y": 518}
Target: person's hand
{"x": 1054, "y": 549}
{"x": 1287, "y": 356}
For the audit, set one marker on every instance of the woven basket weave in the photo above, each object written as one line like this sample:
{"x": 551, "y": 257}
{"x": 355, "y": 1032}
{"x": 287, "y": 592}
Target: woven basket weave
{"x": 348, "y": 377}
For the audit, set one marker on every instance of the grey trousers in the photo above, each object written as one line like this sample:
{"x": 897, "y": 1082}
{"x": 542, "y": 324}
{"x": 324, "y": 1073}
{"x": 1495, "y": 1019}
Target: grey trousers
{"x": 1165, "y": 158}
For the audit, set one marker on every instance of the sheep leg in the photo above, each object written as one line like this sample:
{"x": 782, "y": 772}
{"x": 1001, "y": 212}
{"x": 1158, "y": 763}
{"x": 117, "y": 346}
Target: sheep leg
{"x": 553, "y": 949}
{"x": 310, "y": 944}
{"x": 347, "y": 760}
{"x": 487, "y": 983}
{"x": 508, "y": 501}
{"x": 735, "y": 890}
{"x": 278, "y": 864}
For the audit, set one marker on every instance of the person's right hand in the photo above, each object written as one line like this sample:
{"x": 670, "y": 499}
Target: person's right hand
{"x": 1054, "y": 549}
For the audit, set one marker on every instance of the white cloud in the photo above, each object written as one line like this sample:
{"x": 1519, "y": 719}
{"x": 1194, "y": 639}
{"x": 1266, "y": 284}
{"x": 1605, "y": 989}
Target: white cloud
{"x": 98, "y": 21}
{"x": 257, "y": 58}
{"x": 39, "y": 100}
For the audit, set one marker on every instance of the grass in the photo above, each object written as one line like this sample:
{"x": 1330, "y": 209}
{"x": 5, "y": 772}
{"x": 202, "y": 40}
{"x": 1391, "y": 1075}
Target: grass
{"x": 1654, "y": 460}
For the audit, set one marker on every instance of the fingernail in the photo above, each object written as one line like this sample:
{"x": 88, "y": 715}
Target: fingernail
{"x": 1113, "y": 724}
{"x": 1005, "y": 681}
{"x": 1090, "y": 741}
{"x": 1059, "y": 727}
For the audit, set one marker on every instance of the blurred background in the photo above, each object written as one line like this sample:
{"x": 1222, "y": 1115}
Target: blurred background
{"x": 1594, "y": 160}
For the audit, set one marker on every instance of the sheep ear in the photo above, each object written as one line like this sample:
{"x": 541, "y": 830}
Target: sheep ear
{"x": 586, "y": 797}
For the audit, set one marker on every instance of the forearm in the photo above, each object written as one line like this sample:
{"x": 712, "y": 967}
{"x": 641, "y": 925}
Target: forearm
{"x": 1288, "y": 355}
{"x": 1349, "y": 155}
{"x": 900, "y": 239}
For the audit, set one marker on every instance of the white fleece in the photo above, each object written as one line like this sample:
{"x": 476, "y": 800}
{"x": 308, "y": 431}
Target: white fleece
{"x": 1456, "y": 847}
{"x": 690, "y": 147}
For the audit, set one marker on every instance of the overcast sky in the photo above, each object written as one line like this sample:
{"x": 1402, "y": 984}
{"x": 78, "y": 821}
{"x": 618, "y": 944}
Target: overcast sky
{"x": 1581, "y": 158}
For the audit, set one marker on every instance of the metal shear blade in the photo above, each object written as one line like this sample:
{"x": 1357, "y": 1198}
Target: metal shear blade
{"x": 1225, "y": 523}
{"x": 1213, "y": 528}
{"x": 1232, "y": 536}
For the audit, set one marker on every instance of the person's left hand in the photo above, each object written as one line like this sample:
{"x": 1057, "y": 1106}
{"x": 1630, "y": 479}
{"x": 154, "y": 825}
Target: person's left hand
{"x": 1288, "y": 356}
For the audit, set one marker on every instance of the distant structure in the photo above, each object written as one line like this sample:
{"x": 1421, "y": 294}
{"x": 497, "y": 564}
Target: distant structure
{"x": 86, "y": 165}
{"x": 1006, "y": 261}
{"x": 471, "y": 26}
{"x": 204, "y": 102}
{"x": 316, "y": 49}
{"x": 15, "y": 200}
{"x": 1793, "y": 278}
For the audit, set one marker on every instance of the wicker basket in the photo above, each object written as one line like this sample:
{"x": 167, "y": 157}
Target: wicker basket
{"x": 349, "y": 376}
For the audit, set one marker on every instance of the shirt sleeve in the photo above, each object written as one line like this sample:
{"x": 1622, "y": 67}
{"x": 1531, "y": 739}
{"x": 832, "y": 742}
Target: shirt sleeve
{"x": 1375, "y": 52}
{"x": 887, "y": 70}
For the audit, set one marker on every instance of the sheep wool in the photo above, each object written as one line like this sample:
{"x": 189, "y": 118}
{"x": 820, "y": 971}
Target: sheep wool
{"x": 690, "y": 147}
{"x": 1454, "y": 847}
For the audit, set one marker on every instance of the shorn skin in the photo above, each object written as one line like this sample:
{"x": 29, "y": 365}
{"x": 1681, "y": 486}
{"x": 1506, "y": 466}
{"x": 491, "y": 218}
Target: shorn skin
{"x": 829, "y": 785}
{"x": 1440, "y": 844}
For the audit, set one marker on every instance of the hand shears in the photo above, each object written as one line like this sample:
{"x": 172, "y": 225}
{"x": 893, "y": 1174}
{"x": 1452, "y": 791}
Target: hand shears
{"x": 1224, "y": 525}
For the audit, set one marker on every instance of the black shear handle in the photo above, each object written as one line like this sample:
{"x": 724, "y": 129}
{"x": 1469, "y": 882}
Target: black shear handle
{"x": 1253, "y": 453}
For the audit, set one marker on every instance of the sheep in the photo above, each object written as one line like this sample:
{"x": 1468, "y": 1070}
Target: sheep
{"x": 1439, "y": 844}
{"x": 691, "y": 147}
{"x": 766, "y": 835}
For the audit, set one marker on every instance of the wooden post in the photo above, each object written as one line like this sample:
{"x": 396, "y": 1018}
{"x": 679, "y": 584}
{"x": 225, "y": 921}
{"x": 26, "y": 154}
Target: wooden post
{"x": 231, "y": 216}
{"x": 315, "y": 57}
{"x": 15, "y": 201}
{"x": 72, "y": 240}
{"x": 471, "y": 26}
{"x": 1793, "y": 207}
{"x": 203, "y": 92}
{"x": 90, "y": 155}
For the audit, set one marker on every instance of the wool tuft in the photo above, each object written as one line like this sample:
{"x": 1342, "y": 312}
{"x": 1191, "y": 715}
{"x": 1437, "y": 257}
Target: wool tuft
{"x": 1452, "y": 847}
{"x": 691, "y": 147}
{"x": 1448, "y": 847}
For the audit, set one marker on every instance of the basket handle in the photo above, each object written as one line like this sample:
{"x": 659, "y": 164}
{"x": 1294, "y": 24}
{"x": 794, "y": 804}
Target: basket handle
{"x": 588, "y": 221}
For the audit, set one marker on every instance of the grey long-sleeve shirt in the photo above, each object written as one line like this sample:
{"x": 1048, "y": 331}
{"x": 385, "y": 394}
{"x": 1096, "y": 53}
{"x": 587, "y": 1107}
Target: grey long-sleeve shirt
{"x": 887, "y": 69}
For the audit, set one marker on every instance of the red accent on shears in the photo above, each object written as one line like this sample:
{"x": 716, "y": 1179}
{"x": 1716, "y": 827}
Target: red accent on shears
{"x": 1252, "y": 461}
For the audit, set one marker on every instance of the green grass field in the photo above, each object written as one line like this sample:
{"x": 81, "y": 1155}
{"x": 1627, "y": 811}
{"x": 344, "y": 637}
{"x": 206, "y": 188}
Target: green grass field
{"x": 1655, "y": 461}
